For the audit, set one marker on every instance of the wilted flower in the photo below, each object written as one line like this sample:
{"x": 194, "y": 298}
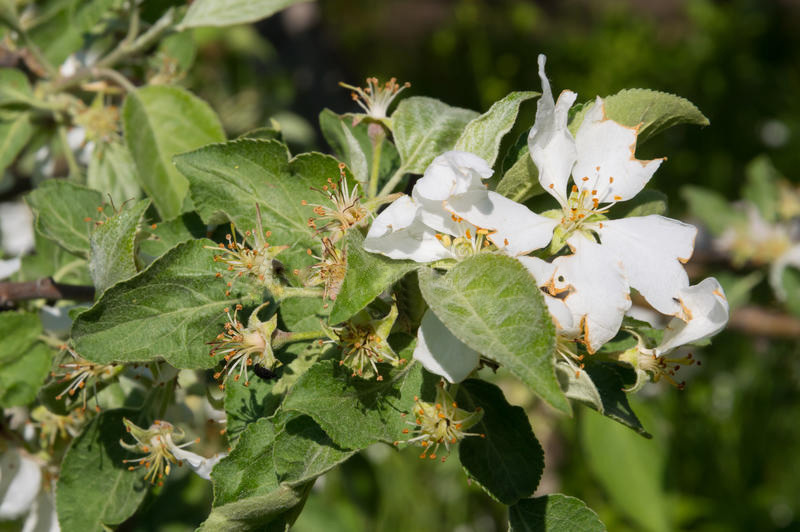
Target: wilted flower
{"x": 158, "y": 443}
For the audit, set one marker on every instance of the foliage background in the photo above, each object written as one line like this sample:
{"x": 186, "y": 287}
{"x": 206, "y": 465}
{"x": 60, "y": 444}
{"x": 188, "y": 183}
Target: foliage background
{"x": 725, "y": 452}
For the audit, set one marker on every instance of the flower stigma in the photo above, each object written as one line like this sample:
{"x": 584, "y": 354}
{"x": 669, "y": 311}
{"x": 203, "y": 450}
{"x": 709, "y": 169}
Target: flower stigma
{"x": 159, "y": 447}
{"x": 440, "y": 423}
{"x": 375, "y": 98}
{"x": 346, "y": 211}
{"x": 80, "y": 372}
{"x": 241, "y": 346}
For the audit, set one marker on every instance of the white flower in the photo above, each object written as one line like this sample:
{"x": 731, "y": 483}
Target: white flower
{"x": 584, "y": 296}
{"x": 451, "y": 215}
{"x": 704, "y": 312}
{"x": 161, "y": 451}
{"x": 21, "y": 493}
{"x": 441, "y": 353}
{"x": 645, "y": 253}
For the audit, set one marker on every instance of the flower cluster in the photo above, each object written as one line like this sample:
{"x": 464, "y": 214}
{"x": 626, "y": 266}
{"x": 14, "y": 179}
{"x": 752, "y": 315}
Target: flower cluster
{"x": 158, "y": 444}
{"x": 586, "y": 264}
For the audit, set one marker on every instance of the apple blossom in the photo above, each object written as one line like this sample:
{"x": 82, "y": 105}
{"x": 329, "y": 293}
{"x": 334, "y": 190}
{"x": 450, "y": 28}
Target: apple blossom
{"x": 451, "y": 215}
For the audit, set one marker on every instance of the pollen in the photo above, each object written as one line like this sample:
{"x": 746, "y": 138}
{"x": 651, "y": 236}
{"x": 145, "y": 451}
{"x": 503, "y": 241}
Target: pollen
{"x": 440, "y": 424}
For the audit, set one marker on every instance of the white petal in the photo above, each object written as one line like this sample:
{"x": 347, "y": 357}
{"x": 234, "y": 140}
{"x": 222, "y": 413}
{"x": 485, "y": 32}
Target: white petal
{"x": 606, "y": 157}
{"x": 513, "y": 226}
{"x": 706, "y": 310}
{"x": 789, "y": 258}
{"x": 42, "y": 517}
{"x": 651, "y": 250}
{"x": 562, "y": 316}
{"x": 594, "y": 289}
{"x": 550, "y": 143}
{"x": 199, "y": 464}
{"x": 441, "y": 353}
{"x": 20, "y": 482}
{"x": 398, "y": 234}
{"x": 16, "y": 228}
{"x": 453, "y": 172}
{"x": 9, "y": 267}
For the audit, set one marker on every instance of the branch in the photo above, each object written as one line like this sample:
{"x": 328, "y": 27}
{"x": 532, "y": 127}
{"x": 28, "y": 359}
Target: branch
{"x": 44, "y": 288}
{"x": 761, "y": 321}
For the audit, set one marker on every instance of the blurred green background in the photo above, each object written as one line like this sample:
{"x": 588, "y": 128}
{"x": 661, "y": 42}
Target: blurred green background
{"x": 726, "y": 451}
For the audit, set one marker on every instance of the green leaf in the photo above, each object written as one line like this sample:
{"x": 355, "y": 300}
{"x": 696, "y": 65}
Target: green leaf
{"x": 790, "y": 279}
{"x": 61, "y": 209}
{"x": 483, "y": 135}
{"x": 64, "y": 30}
{"x": 340, "y": 137}
{"x": 113, "y": 256}
{"x": 160, "y": 122}
{"x": 521, "y": 180}
{"x": 168, "y": 234}
{"x": 652, "y": 111}
{"x": 303, "y": 452}
{"x": 509, "y": 461}
{"x": 425, "y": 128}
{"x": 247, "y": 491}
{"x": 761, "y": 188}
{"x": 248, "y": 470}
{"x": 553, "y": 513}
{"x": 19, "y": 330}
{"x": 113, "y": 172}
{"x": 646, "y": 202}
{"x": 630, "y": 468}
{"x": 610, "y": 379}
{"x": 368, "y": 274}
{"x": 275, "y": 511}
{"x": 230, "y": 12}
{"x": 169, "y": 310}
{"x": 304, "y": 313}
{"x": 712, "y": 209}
{"x": 355, "y": 412}
{"x": 94, "y": 489}
{"x": 14, "y": 87}
{"x": 50, "y": 258}
{"x": 15, "y": 132}
{"x": 246, "y": 404}
{"x": 21, "y": 379}
{"x": 492, "y": 304}
{"x": 231, "y": 178}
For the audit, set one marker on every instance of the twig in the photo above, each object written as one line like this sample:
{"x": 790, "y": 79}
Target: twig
{"x": 44, "y": 288}
{"x": 761, "y": 321}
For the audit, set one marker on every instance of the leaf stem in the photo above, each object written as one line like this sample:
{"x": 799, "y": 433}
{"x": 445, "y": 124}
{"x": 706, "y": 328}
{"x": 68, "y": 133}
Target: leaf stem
{"x": 393, "y": 181}
{"x": 72, "y": 163}
{"x": 376, "y": 163}
{"x": 114, "y": 76}
{"x": 281, "y": 338}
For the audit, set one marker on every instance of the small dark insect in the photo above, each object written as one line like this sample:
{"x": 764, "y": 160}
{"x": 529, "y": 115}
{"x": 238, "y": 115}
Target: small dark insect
{"x": 265, "y": 373}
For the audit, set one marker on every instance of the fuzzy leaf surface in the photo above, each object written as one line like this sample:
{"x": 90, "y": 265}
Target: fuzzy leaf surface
{"x": 425, "y": 128}
{"x": 113, "y": 247}
{"x": 230, "y": 12}
{"x": 553, "y": 513}
{"x": 483, "y": 135}
{"x": 509, "y": 461}
{"x": 228, "y": 180}
{"x": 652, "y": 111}
{"x": 61, "y": 209}
{"x": 492, "y": 304}
{"x": 95, "y": 490}
{"x": 368, "y": 274}
{"x": 356, "y": 412}
{"x": 159, "y": 122}
{"x": 170, "y": 310}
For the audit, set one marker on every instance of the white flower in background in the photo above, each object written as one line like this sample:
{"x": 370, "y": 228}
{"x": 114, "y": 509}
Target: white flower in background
{"x": 161, "y": 451}
{"x": 608, "y": 256}
{"x": 441, "y": 353}
{"x": 16, "y": 235}
{"x": 21, "y": 493}
{"x": 704, "y": 312}
{"x": 451, "y": 215}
